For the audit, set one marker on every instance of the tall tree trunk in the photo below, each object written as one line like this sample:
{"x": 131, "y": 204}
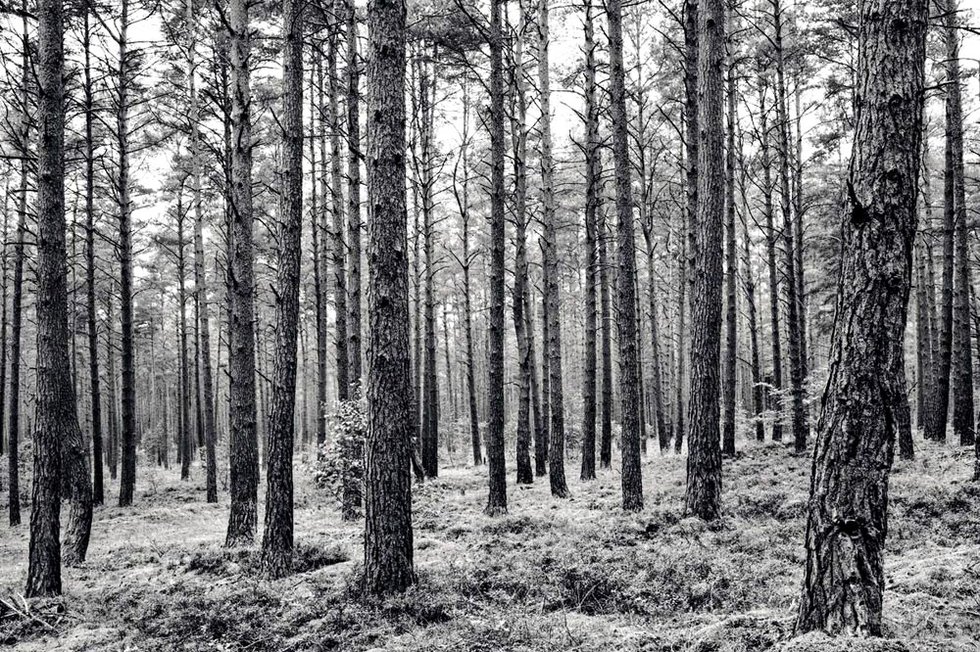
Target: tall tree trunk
{"x": 861, "y": 406}
{"x": 556, "y": 444}
{"x": 793, "y": 319}
{"x": 430, "y": 405}
{"x": 758, "y": 405}
{"x": 771, "y": 236}
{"x": 243, "y": 442}
{"x": 338, "y": 239}
{"x": 98, "y": 488}
{"x": 704, "y": 457}
{"x": 518, "y": 101}
{"x": 127, "y": 481}
{"x": 962, "y": 360}
{"x": 353, "y": 102}
{"x": 319, "y": 234}
{"x": 112, "y": 452}
{"x": 203, "y": 325}
{"x": 60, "y": 464}
{"x": 392, "y": 422}
{"x": 497, "y": 500}
{"x": 629, "y": 373}
{"x": 184, "y": 436}
{"x": 592, "y": 163}
{"x": 13, "y": 430}
{"x": 605, "y": 342}
{"x": 731, "y": 309}
{"x": 277, "y": 538}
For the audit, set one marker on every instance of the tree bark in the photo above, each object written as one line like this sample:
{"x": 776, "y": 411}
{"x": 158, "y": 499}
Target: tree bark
{"x": 704, "y": 456}
{"x": 243, "y": 442}
{"x": 863, "y": 399}
{"x": 497, "y": 500}
{"x": 352, "y": 76}
{"x": 629, "y": 373}
{"x": 731, "y": 271}
{"x": 392, "y": 422}
{"x": 277, "y": 538}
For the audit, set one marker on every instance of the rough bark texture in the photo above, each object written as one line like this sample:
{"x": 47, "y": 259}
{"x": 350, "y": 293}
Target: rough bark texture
{"x": 629, "y": 372}
{"x": 430, "y": 388}
{"x": 861, "y": 406}
{"x": 243, "y": 442}
{"x": 704, "y": 456}
{"x": 388, "y": 564}
{"x": 55, "y": 396}
{"x": 771, "y": 236}
{"x": 497, "y": 500}
{"x": 277, "y": 538}
{"x": 605, "y": 341}
{"x": 338, "y": 241}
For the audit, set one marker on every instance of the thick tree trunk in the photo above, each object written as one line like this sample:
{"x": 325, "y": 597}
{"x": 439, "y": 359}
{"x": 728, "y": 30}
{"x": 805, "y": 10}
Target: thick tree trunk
{"x": 388, "y": 565}
{"x": 704, "y": 457}
{"x": 56, "y": 399}
{"x": 243, "y": 442}
{"x": 863, "y": 401}
{"x": 629, "y": 374}
{"x": 277, "y": 539}
{"x": 497, "y": 500}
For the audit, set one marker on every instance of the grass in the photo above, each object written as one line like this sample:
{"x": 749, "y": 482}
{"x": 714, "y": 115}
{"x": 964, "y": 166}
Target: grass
{"x": 573, "y": 574}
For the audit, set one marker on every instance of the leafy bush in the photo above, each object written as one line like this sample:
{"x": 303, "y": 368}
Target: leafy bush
{"x": 340, "y": 460}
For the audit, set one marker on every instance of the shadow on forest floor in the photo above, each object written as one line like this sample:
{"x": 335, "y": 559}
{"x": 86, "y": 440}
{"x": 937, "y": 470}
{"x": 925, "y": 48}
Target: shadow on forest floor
{"x": 574, "y": 574}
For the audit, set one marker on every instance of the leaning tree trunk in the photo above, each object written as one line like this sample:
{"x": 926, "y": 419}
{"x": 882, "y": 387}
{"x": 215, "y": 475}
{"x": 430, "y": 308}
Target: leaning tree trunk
{"x": 392, "y": 423}
{"x": 497, "y": 500}
{"x": 277, "y": 539}
{"x": 704, "y": 457}
{"x": 863, "y": 401}
{"x": 629, "y": 375}
{"x": 243, "y": 442}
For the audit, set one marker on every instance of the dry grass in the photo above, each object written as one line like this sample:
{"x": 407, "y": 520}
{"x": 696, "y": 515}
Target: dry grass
{"x": 575, "y": 574}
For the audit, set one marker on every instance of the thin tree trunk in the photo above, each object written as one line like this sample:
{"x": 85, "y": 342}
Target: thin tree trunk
{"x": 352, "y": 76}
{"x": 731, "y": 309}
{"x": 771, "y": 235}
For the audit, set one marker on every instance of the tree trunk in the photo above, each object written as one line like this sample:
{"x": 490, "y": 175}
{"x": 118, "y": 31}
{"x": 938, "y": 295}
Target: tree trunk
{"x": 243, "y": 442}
{"x": 629, "y": 373}
{"x": 962, "y": 360}
{"x": 184, "y": 436}
{"x": 352, "y": 75}
{"x": 863, "y": 399}
{"x": 518, "y": 101}
{"x": 277, "y": 538}
{"x": 769, "y": 218}
{"x": 98, "y": 489}
{"x": 704, "y": 457}
{"x": 605, "y": 315}
{"x": 793, "y": 318}
{"x": 56, "y": 400}
{"x": 497, "y": 500}
{"x": 127, "y": 482}
{"x": 592, "y": 163}
{"x": 731, "y": 309}
{"x": 319, "y": 233}
{"x": 430, "y": 405}
{"x": 388, "y": 565}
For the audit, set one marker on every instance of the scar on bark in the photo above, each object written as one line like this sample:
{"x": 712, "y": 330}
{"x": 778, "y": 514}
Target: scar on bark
{"x": 859, "y": 214}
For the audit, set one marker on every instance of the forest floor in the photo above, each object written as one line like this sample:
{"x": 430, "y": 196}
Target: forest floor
{"x": 573, "y": 574}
